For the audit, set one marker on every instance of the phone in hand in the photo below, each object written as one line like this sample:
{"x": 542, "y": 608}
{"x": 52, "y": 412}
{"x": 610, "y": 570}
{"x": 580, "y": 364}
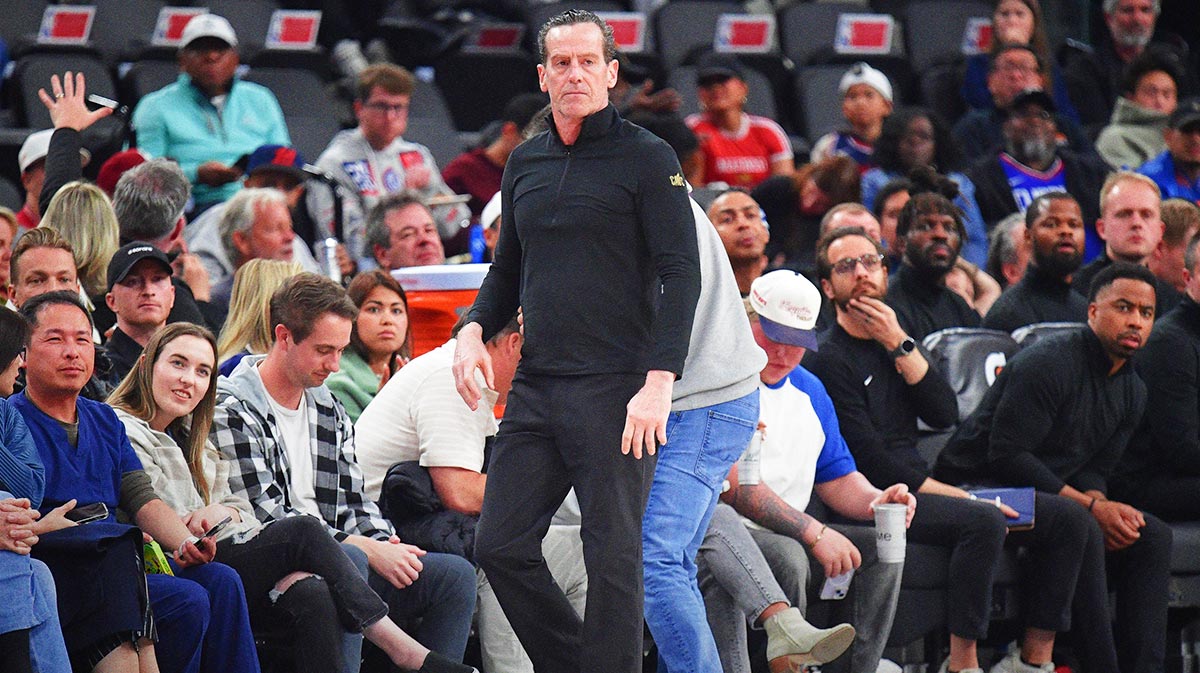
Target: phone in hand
{"x": 220, "y": 526}
{"x": 88, "y": 513}
{"x": 836, "y": 588}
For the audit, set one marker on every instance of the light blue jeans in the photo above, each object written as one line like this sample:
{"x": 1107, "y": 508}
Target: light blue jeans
{"x": 30, "y": 603}
{"x": 702, "y": 444}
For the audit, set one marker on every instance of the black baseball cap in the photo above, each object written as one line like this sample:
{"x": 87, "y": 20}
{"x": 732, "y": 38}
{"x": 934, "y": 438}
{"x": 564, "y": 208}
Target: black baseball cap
{"x": 1186, "y": 114}
{"x": 1032, "y": 97}
{"x": 714, "y": 67}
{"x": 129, "y": 255}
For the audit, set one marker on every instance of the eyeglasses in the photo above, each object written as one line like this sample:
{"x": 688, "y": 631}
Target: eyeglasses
{"x": 869, "y": 261}
{"x": 384, "y": 108}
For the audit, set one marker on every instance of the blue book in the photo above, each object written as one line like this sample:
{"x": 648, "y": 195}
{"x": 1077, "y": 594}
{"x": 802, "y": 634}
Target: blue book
{"x": 1020, "y": 499}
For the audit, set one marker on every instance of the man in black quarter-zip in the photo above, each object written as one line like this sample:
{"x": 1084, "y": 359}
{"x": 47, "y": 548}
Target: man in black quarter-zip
{"x": 599, "y": 250}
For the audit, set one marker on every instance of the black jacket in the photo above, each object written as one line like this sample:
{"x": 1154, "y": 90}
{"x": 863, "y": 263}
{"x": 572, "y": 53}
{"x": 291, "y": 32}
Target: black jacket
{"x": 924, "y": 307}
{"x": 1037, "y": 297}
{"x": 1166, "y": 296}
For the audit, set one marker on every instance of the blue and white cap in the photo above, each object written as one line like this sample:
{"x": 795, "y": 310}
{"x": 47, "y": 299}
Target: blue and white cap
{"x": 787, "y": 305}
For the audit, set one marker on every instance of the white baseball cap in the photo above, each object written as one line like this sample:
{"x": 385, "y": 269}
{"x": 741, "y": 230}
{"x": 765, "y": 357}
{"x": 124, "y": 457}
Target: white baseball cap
{"x": 787, "y": 305}
{"x": 208, "y": 25}
{"x": 491, "y": 212}
{"x": 37, "y": 145}
{"x": 861, "y": 73}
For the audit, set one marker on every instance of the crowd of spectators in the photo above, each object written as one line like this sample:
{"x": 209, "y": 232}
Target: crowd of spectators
{"x": 209, "y": 344}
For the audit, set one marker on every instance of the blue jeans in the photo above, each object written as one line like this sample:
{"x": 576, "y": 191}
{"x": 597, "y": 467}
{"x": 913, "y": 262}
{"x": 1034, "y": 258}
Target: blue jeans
{"x": 702, "y": 444}
{"x": 203, "y": 625}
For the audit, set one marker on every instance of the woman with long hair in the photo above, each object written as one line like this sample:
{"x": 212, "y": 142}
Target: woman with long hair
{"x": 915, "y": 137}
{"x": 380, "y": 341}
{"x": 1017, "y": 22}
{"x": 292, "y": 569}
{"x": 247, "y": 328}
{"x": 83, "y": 215}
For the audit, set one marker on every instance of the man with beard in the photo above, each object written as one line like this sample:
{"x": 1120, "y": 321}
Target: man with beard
{"x": 1131, "y": 227}
{"x": 932, "y": 230}
{"x": 1058, "y": 418}
{"x": 881, "y": 382}
{"x": 1093, "y": 72}
{"x": 1177, "y": 170}
{"x": 1031, "y": 164}
{"x": 1054, "y": 230}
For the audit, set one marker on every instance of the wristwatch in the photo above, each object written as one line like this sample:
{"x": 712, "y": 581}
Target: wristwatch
{"x": 907, "y": 346}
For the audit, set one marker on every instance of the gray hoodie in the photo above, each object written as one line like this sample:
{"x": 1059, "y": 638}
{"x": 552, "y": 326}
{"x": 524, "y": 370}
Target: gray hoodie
{"x": 1133, "y": 135}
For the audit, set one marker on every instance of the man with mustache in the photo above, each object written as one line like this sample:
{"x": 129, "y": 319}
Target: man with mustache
{"x": 1058, "y": 418}
{"x": 1031, "y": 163}
{"x": 1131, "y": 227}
{"x": 881, "y": 382}
{"x": 933, "y": 233}
{"x": 1054, "y": 231}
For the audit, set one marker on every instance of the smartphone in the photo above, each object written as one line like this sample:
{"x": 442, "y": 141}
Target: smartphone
{"x": 220, "y": 526}
{"x": 836, "y": 588}
{"x": 119, "y": 110}
{"x": 88, "y": 513}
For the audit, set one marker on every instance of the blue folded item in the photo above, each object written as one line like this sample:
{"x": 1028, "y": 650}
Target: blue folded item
{"x": 1020, "y": 499}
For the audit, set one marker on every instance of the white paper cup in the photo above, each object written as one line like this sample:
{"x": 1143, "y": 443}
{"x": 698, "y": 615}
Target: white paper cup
{"x": 889, "y": 532}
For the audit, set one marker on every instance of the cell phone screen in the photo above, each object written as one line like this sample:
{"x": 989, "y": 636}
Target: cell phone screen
{"x": 220, "y": 526}
{"x": 88, "y": 513}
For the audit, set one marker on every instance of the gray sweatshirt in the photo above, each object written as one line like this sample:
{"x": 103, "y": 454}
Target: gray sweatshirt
{"x": 723, "y": 361}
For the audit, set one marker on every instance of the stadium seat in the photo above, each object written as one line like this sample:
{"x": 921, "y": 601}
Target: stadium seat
{"x": 818, "y": 104}
{"x": 683, "y": 28}
{"x": 33, "y": 72}
{"x": 935, "y": 29}
{"x": 311, "y": 113}
{"x": 10, "y": 195}
{"x": 144, "y": 77}
{"x": 969, "y": 358}
{"x": 1029, "y": 334}
{"x": 464, "y": 77}
{"x": 436, "y": 134}
{"x": 428, "y": 101}
{"x": 807, "y": 29}
{"x": 940, "y": 88}
{"x": 21, "y": 22}
{"x": 122, "y": 29}
{"x": 251, "y": 19}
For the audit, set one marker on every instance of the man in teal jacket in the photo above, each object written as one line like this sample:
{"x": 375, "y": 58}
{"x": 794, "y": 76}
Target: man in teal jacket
{"x": 208, "y": 118}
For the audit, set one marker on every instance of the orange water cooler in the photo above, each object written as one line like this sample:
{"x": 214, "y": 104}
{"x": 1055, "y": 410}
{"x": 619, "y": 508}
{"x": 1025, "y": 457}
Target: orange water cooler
{"x": 437, "y": 297}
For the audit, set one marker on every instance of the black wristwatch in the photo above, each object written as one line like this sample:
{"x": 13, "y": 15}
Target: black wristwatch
{"x": 907, "y": 346}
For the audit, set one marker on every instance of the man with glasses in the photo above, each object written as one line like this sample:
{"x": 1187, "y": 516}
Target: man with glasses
{"x": 1031, "y": 162}
{"x": 881, "y": 382}
{"x": 374, "y": 159}
{"x": 208, "y": 118}
{"x": 1013, "y": 69}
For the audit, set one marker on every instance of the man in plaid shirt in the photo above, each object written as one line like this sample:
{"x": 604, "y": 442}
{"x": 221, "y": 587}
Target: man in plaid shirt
{"x": 293, "y": 446}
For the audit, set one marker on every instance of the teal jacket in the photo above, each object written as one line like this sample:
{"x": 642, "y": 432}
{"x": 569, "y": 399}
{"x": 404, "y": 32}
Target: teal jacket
{"x": 179, "y": 122}
{"x": 354, "y": 384}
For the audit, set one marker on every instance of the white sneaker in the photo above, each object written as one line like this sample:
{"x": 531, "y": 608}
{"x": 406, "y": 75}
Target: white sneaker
{"x": 1012, "y": 664}
{"x": 888, "y": 666}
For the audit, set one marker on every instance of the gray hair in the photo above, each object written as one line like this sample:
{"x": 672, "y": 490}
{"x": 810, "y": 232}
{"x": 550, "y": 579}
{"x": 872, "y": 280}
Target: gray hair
{"x": 240, "y": 212}
{"x": 572, "y": 17}
{"x": 1111, "y": 5}
{"x": 1002, "y": 244}
{"x": 149, "y": 200}
{"x": 378, "y": 232}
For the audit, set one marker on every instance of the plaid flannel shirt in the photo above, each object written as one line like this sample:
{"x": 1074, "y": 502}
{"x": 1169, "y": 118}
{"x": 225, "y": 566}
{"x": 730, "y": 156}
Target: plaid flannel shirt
{"x": 245, "y": 431}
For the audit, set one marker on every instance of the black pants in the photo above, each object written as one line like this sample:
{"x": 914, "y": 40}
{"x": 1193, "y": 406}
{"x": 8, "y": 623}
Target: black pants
{"x": 316, "y": 611}
{"x": 560, "y": 432}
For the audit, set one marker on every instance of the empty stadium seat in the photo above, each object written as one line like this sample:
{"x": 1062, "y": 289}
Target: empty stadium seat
{"x": 251, "y": 19}
{"x": 1030, "y": 334}
{"x": 436, "y": 134}
{"x": 10, "y": 195}
{"x": 969, "y": 358}
{"x": 311, "y": 113}
{"x": 33, "y": 72}
{"x": 122, "y": 29}
{"x": 808, "y": 29}
{"x": 22, "y": 19}
{"x": 477, "y": 85}
{"x": 683, "y": 28}
{"x": 935, "y": 29}
{"x": 818, "y": 103}
{"x": 145, "y": 77}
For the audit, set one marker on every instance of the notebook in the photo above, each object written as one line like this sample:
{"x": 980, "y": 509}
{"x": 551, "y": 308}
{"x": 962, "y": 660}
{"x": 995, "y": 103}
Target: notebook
{"x": 1020, "y": 499}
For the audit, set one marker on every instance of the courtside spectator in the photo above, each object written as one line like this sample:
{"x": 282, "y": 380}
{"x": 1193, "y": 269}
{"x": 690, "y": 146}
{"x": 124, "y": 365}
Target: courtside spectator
{"x": 1176, "y": 170}
{"x": 744, "y": 234}
{"x": 8, "y": 233}
{"x": 31, "y": 160}
{"x": 1008, "y": 250}
{"x": 380, "y": 342}
{"x": 82, "y": 214}
{"x": 866, "y": 102}
{"x": 738, "y": 149}
{"x": 793, "y": 206}
{"x": 247, "y": 329}
{"x": 140, "y": 294}
{"x": 1053, "y": 231}
{"x": 373, "y": 160}
{"x": 209, "y": 118}
{"x": 41, "y": 262}
{"x": 401, "y": 232}
{"x": 1181, "y": 221}
{"x": 1149, "y": 94}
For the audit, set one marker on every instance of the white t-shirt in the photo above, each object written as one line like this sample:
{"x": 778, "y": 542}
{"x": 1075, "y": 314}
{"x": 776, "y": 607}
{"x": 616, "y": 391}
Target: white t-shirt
{"x": 420, "y": 416}
{"x": 791, "y": 444}
{"x": 297, "y": 443}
